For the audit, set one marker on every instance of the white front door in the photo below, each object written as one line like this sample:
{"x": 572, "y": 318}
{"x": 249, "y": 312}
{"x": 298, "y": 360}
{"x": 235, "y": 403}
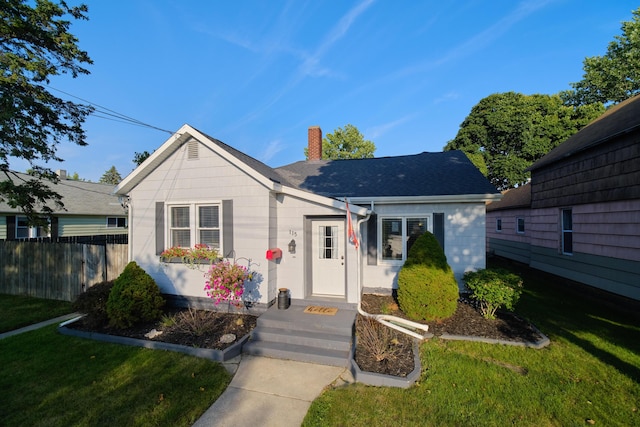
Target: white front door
{"x": 328, "y": 271}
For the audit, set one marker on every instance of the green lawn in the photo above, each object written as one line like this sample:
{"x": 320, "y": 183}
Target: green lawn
{"x": 18, "y": 311}
{"x": 49, "y": 379}
{"x": 589, "y": 373}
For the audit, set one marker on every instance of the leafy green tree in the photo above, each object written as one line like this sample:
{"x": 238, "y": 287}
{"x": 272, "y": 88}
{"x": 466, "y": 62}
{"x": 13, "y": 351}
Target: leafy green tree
{"x": 138, "y": 158}
{"x": 111, "y": 177}
{"x": 35, "y": 45}
{"x": 506, "y": 132}
{"x": 347, "y": 143}
{"x": 614, "y": 77}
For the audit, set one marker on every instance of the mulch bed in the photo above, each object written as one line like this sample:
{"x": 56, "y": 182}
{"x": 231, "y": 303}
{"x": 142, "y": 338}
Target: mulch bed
{"x": 466, "y": 321}
{"x": 189, "y": 327}
{"x": 204, "y": 329}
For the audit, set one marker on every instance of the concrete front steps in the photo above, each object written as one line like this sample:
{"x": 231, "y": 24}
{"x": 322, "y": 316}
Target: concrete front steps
{"x": 294, "y": 335}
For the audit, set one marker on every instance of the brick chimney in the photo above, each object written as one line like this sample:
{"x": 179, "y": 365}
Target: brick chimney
{"x": 315, "y": 143}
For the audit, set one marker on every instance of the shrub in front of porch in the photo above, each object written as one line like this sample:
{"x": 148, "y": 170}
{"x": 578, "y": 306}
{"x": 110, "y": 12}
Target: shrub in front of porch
{"x": 427, "y": 288}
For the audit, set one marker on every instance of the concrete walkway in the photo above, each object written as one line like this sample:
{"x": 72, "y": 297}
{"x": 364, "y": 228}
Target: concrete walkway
{"x": 271, "y": 392}
{"x": 38, "y": 325}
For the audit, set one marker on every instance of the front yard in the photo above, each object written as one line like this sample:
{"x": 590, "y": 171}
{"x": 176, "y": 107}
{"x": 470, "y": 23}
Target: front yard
{"x": 49, "y": 379}
{"x": 589, "y": 375}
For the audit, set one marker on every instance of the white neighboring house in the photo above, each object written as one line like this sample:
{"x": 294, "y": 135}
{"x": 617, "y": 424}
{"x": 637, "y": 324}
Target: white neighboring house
{"x": 196, "y": 189}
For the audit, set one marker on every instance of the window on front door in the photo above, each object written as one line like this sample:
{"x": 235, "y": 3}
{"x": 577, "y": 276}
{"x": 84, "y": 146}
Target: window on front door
{"x": 328, "y": 242}
{"x": 399, "y": 234}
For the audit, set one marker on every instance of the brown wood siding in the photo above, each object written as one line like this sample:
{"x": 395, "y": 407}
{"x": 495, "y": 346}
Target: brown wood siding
{"x": 607, "y": 172}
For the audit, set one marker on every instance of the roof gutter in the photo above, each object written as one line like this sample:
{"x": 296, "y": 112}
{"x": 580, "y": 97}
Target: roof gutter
{"x": 464, "y": 198}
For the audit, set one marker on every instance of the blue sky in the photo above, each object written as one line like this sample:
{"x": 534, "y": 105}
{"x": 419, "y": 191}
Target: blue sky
{"x": 257, "y": 74}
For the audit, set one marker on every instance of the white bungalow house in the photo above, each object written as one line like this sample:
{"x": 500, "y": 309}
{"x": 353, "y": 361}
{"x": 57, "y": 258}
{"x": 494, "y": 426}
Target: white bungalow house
{"x": 196, "y": 189}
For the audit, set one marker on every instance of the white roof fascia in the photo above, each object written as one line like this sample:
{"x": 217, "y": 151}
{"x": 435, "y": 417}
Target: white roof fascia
{"x": 233, "y": 159}
{"x": 323, "y": 200}
{"x": 458, "y": 198}
{"x": 155, "y": 159}
{"x": 169, "y": 146}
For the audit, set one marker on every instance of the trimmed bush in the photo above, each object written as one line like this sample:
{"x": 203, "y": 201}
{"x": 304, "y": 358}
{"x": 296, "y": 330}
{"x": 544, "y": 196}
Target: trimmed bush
{"x": 135, "y": 297}
{"x": 427, "y": 288}
{"x": 93, "y": 303}
{"x": 494, "y": 288}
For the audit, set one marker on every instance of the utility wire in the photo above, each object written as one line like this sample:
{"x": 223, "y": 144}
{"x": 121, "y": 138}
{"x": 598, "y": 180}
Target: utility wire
{"x": 114, "y": 115}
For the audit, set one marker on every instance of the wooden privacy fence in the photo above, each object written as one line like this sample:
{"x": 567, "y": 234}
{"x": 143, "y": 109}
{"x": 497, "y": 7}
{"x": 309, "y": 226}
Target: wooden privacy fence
{"x": 59, "y": 271}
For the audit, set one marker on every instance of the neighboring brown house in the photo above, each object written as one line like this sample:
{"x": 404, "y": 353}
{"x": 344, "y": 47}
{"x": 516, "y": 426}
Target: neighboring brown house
{"x": 583, "y": 218}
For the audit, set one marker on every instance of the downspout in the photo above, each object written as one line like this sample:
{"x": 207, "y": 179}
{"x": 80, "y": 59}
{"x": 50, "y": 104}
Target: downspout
{"x": 402, "y": 325}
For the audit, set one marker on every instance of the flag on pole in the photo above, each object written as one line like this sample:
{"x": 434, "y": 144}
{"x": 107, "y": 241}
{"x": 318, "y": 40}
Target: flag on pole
{"x": 351, "y": 234}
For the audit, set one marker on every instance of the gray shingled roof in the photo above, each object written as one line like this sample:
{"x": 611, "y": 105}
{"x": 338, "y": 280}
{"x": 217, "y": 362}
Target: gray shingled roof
{"x": 519, "y": 197}
{"x": 425, "y": 174}
{"x": 617, "y": 120}
{"x": 79, "y": 198}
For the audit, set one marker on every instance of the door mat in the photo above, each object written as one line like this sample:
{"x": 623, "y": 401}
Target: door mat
{"x": 317, "y": 309}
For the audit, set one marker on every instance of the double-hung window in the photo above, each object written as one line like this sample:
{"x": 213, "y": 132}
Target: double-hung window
{"x": 195, "y": 223}
{"x": 567, "y": 231}
{"x": 25, "y": 231}
{"x": 115, "y": 222}
{"x": 520, "y": 225}
{"x": 399, "y": 234}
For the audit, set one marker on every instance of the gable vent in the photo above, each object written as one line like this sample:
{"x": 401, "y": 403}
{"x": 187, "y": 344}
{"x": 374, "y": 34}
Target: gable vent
{"x": 192, "y": 149}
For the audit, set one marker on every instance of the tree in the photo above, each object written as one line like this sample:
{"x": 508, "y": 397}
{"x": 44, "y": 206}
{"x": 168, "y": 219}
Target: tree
{"x": 138, "y": 158}
{"x": 35, "y": 45}
{"x": 111, "y": 177}
{"x": 506, "y": 132}
{"x": 347, "y": 143}
{"x": 614, "y": 77}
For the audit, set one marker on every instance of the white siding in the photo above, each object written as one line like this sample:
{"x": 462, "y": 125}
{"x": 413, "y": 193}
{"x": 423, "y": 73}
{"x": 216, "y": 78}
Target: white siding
{"x": 208, "y": 178}
{"x": 464, "y": 240}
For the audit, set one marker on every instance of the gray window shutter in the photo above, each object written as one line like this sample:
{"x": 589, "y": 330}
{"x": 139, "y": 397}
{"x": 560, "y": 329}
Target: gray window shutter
{"x": 11, "y": 227}
{"x": 438, "y": 228}
{"x": 227, "y": 228}
{"x": 372, "y": 240}
{"x": 159, "y": 228}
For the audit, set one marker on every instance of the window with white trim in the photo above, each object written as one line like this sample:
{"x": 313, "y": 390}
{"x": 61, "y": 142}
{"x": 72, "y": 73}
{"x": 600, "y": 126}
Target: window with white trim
{"x": 398, "y": 235}
{"x": 195, "y": 223}
{"x": 520, "y": 225}
{"x": 25, "y": 231}
{"x": 115, "y": 222}
{"x": 567, "y": 231}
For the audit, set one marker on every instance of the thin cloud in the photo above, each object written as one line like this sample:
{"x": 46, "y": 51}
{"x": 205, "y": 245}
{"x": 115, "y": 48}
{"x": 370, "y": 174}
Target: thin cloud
{"x": 273, "y": 148}
{"x": 380, "y": 130}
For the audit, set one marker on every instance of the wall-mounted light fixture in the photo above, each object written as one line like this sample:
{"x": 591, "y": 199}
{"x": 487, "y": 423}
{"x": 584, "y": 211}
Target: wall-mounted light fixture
{"x": 292, "y": 246}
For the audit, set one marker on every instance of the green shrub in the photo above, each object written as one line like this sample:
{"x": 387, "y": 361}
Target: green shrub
{"x": 135, "y": 297}
{"x": 427, "y": 288}
{"x": 93, "y": 303}
{"x": 494, "y": 288}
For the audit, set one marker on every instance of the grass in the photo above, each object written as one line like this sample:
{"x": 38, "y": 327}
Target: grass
{"x": 589, "y": 373}
{"x": 18, "y": 311}
{"x": 50, "y": 379}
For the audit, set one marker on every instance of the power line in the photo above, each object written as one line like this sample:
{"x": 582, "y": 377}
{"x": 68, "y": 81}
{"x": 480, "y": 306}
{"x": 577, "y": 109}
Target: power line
{"x": 114, "y": 115}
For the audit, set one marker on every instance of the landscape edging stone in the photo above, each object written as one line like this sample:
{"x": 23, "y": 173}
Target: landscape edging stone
{"x": 204, "y": 353}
